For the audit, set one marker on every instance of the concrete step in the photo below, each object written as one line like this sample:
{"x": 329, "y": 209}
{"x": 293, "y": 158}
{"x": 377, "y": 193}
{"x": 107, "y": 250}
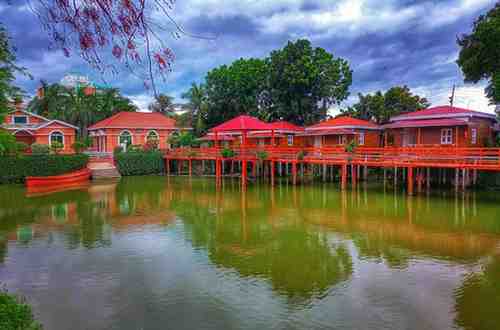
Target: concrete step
{"x": 104, "y": 173}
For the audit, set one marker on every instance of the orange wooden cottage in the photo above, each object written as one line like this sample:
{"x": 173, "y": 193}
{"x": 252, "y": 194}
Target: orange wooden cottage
{"x": 31, "y": 128}
{"x": 131, "y": 128}
{"x": 341, "y": 131}
{"x": 283, "y": 132}
{"x": 440, "y": 126}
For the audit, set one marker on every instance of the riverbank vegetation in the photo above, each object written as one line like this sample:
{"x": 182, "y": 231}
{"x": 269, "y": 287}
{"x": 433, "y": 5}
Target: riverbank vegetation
{"x": 16, "y": 314}
{"x": 15, "y": 169}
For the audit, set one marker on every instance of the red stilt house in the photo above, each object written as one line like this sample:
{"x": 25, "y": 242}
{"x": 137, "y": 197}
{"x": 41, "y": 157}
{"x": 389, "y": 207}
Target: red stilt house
{"x": 31, "y": 128}
{"x": 131, "y": 128}
{"x": 285, "y": 135}
{"x": 341, "y": 131}
{"x": 241, "y": 127}
{"x": 440, "y": 126}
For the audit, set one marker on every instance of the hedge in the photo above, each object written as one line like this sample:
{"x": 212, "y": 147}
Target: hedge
{"x": 16, "y": 314}
{"x": 16, "y": 169}
{"x": 139, "y": 163}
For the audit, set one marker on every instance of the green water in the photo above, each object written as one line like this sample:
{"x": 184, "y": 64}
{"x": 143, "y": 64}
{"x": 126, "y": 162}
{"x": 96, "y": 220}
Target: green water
{"x": 159, "y": 253}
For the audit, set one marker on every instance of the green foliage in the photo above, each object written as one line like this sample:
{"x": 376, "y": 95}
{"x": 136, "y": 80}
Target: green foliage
{"x": 301, "y": 154}
{"x": 40, "y": 149}
{"x": 16, "y": 314}
{"x": 135, "y": 148}
{"x": 163, "y": 104}
{"x": 480, "y": 51}
{"x": 298, "y": 83}
{"x": 182, "y": 139}
{"x": 151, "y": 145}
{"x": 16, "y": 168}
{"x": 139, "y": 163}
{"x": 79, "y": 146}
{"x": 380, "y": 106}
{"x": 56, "y": 147}
{"x": 7, "y": 143}
{"x": 227, "y": 153}
{"x": 21, "y": 147}
{"x": 117, "y": 150}
{"x": 262, "y": 155}
{"x": 8, "y": 69}
{"x": 74, "y": 106}
{"x": 351, "y": 146}
{"x": 304, "y": 82}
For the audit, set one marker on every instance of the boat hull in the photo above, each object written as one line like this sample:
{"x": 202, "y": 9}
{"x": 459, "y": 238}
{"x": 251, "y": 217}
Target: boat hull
{"x": 79, "y": 176}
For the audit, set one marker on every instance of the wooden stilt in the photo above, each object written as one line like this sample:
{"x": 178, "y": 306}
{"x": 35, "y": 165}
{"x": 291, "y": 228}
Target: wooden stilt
{"x": 244, "y": 173}
{"x": 365, "y": 173}
{"x": 456, "y": 179}
{"x": 272, "y": 172}
{"x": 294, "y": 172}
{"x": 428, "y": 180}
{"x": 324, "y": 172}
{"x": 190, "y": 167}
{"x": 410, "y": 181}
{"x": 353, "y": 175}
{"x": 167, "y": 165}
{"x": 395, "y": 176}
{"x": 344, "y": 177}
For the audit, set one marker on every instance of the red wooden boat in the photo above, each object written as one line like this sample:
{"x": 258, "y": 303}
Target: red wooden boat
{"x": 79, "y": 176}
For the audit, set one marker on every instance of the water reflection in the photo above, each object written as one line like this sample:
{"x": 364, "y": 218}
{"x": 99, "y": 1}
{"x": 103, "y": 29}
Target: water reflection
{"x": 355, "y": 259}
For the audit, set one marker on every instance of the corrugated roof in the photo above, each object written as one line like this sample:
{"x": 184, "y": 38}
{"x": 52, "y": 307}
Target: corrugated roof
{"x": 334, "y": 131}
{"x": 344, "y": 122}
{"x": 286, "y": 126}
{"x": 426, "y": 123}
{"x": 242, "y": 123}
{"x": 443, "y": 111}
{"x": 144, "y": 120}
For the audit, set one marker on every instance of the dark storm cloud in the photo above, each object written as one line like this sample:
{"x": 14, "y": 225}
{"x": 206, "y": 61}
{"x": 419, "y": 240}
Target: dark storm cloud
{"x": 387, "y": 43}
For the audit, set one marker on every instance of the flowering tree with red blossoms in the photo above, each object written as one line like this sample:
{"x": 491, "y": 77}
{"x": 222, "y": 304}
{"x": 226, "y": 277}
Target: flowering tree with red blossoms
{"x": 109, "y": 34}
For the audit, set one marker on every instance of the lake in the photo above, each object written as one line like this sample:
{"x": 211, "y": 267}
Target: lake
{"x": 176, "y": 253}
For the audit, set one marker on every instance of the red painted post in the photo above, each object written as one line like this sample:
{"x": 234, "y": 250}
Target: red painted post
{"x": 167, "y": 165}
{"x": 243, "y": 172}
{"x": 190, "y": 167}
{"x": 272, "y": 172}
{"x": 344, "y": 177}
{"x": 294, "y": 172}
{"x": 353, "y": 176}
{"x": 410, "y": 181}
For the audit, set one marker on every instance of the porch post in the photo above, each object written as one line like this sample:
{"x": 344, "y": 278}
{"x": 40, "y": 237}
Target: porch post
{"x": 410, "y": 181}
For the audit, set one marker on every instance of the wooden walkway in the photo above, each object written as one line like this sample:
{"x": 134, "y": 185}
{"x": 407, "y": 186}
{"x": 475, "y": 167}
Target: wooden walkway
{"x": 465, "y": 161}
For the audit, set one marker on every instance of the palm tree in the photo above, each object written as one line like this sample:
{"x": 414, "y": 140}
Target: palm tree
{"x": 197, "y": 98}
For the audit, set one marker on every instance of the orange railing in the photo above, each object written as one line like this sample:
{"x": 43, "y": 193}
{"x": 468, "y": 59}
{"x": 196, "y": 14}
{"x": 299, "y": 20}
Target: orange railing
{"x": 464, "y": 157}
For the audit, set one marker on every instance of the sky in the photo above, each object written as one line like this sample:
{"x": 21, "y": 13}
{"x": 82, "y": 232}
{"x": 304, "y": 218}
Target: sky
{"x": 387, "y": 43}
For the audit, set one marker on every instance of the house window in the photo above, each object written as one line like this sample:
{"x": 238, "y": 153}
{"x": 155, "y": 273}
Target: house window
{"x": 125, "y": 139}
{"x": 361, "y": 139}
{"x": 20, "y": 120}
{"x": 473, "y": 135}
{"x": 289, "y": 139}
{"x": 447, "y": 136}
{"x": 56, "y": 137}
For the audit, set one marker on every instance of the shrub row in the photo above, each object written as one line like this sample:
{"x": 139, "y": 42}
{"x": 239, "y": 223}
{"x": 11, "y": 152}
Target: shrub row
{"x": 15, "y": 313}
{"x": 15, "y": 169}
{"x": 139, "y": 163}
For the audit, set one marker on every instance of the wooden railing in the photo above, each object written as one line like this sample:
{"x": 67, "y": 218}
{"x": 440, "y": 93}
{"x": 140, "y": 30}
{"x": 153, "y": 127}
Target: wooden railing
{"x": 464, "y": 157}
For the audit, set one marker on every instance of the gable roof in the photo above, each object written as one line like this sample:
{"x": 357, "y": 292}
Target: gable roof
{"x": 46, "y": 122}
{"x": 344, "y": 122}
{"x": 286, "y": 126}
{"x": 242, "y": 123}
{"x": 144, "y": 120}
{"x": 442, "y": 112}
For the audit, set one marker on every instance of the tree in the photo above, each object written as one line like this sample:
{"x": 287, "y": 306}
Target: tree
{"x": 380, "y": 107}
{"x": 111, "y": 34}
{"x": 163, "y": 104}
{"x": 197, "y": 101}
{"x": 8, "y": 92}
{"x": 304, "y": 82}
{"x": 234, "y": 89}
{"x": 74, "y": 106}
{"x": 480, "y": 53}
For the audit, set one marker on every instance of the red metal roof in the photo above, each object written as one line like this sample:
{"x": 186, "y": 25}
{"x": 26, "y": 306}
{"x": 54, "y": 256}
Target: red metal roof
{"x": 344, "y": 121}
{"x": 242, "y": 123}
{"x": 335, "y": 131}
{"x": 286, "y": 126}
{"x": 222, "y": 137}
{"x": 426, "y": 123}
{"x": 264, "y": 134}
{"x": 442, "y": 111}
{"x": 144, "y": 120}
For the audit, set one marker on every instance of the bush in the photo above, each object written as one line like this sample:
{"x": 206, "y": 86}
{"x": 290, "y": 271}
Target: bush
{"x": 351, "y": 146}
{"x": 300, "y": 155}
{"x": 262, "y": 155}
{"x": 16, "y": 169}
{"x": 40, "y": 149}
{"x": 117, "y": 150}
{"x": 227, "y": 153}
{"x": 56, "y": 147}
{"x": 134, "y": 148}
{"x": 79, "y": 146}
{"x": 21, "y": 147}
{"x": 16, "y": 314}
{"x": 151, "y": 145}
{"x": 7, "y": 143}
{"x": 139, "y": 163}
